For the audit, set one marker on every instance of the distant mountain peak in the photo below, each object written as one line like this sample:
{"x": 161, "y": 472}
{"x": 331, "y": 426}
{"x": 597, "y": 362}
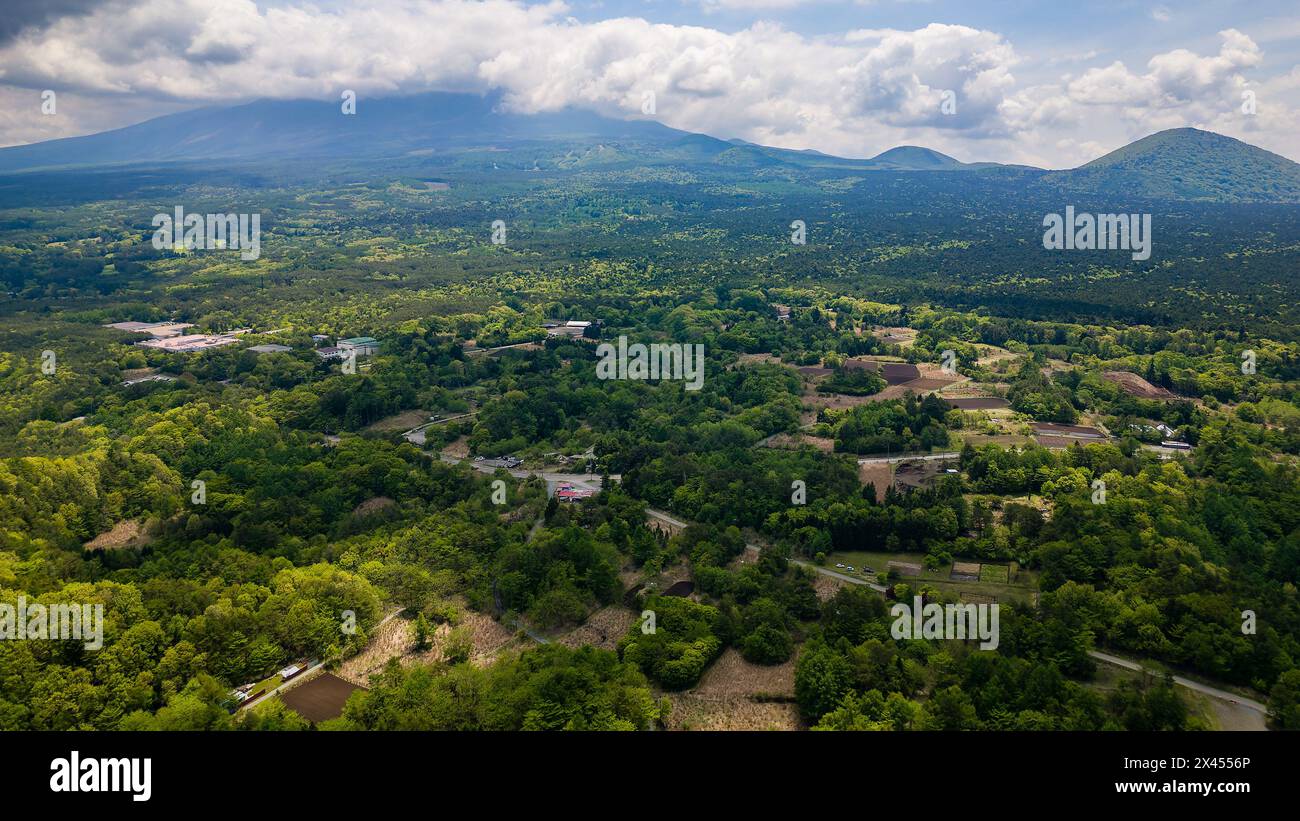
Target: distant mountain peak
{"x": 1190, "y": 164}
{"x": 916, "y": 158}
{"x": 1176, "y": 164}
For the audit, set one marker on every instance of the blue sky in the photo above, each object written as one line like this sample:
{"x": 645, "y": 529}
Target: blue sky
{"x": 1047, "y": 83}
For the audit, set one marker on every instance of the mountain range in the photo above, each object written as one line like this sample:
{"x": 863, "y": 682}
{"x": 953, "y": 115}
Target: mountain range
{"x": 1178, "y": 164}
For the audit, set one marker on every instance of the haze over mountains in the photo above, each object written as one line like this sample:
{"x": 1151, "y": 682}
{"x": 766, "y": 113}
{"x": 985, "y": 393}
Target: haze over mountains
{"x": 1178, "y": 164}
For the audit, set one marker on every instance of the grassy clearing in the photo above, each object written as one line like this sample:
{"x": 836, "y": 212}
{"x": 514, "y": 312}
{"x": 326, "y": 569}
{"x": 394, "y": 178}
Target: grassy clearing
{"x": 995, "y": 573}
{"x": 1021, "y": 589}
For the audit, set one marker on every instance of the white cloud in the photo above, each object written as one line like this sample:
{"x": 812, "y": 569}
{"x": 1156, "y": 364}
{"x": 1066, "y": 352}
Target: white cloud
{"x": 855, "y": 94}
{"x": 1174, "y": 78}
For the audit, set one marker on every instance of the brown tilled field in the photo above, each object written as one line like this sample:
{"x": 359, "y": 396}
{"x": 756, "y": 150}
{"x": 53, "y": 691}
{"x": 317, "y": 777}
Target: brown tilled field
{"x": 1134, "y": 385}
{"x": 319, "y": 699}
{"x": 1061, "y": 442}
{"x": 928, "y": 384}
{"x": 881, "y": 473}
{"x": 979, "y": 403}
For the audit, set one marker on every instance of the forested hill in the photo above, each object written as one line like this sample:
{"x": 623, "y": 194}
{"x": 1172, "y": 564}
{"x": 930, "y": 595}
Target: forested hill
{"x": 1188, "y": 164}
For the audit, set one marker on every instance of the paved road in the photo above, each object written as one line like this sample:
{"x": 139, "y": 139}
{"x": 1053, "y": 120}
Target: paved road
{"x": 1212, "y": 692}
{"x": 416, "y": 434}
{"x": 928, "y": 457}
{"x": 477, "y": 351}
{"x": 826, "y": 571}
{"x": 664, "y": 517}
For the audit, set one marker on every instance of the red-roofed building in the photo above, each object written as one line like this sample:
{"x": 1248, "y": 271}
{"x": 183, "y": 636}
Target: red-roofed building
{"x": 568, "y": 493}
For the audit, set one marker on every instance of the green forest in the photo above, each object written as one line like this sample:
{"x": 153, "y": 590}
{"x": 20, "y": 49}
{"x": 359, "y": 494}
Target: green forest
{"x": 235, "y": 511}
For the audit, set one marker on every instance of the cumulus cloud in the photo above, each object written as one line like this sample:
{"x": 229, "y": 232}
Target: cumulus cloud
{"x": 1175, "y": 78}
{"x": 855, "y": 94}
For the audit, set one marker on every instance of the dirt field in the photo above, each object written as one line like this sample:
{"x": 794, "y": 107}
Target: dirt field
{"x": 892, "y": 371}
{"x": 927, "y": 385}
{"x": 320, "y": 699}
{"x": 458, "y": 449}
{"x": 1134, "y": 385}
{"x": 1062, "y": 442}
{"x": 879, "y": 473}
{"x": 979, "y": 403}
{"x": 1076, "y": 431}
{"x": 401, "y": 421}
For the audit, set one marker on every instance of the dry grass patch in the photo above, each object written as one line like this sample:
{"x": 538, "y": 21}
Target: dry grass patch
{"x": 757, "y": 359}
{"x": 126, "y": 533}
{"x": 731, "y": 675}
{"x": 879, "y": 473}
{"x": 401, "y": 421}
{"x": 797, "y": 440}
{"x": 827, "y": 586}
{"x": 396, "y": 639}
{"x": 732, "y": 714}
{"x": 372, "y": 505}
{"x": 458, "y": 449}
{"x": 602, "y": 629}
{"x": 390, "y": 641}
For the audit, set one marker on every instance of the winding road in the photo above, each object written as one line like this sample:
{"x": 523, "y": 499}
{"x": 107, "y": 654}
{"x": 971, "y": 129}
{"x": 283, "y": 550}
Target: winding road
{"x": 1205, "y": 689}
